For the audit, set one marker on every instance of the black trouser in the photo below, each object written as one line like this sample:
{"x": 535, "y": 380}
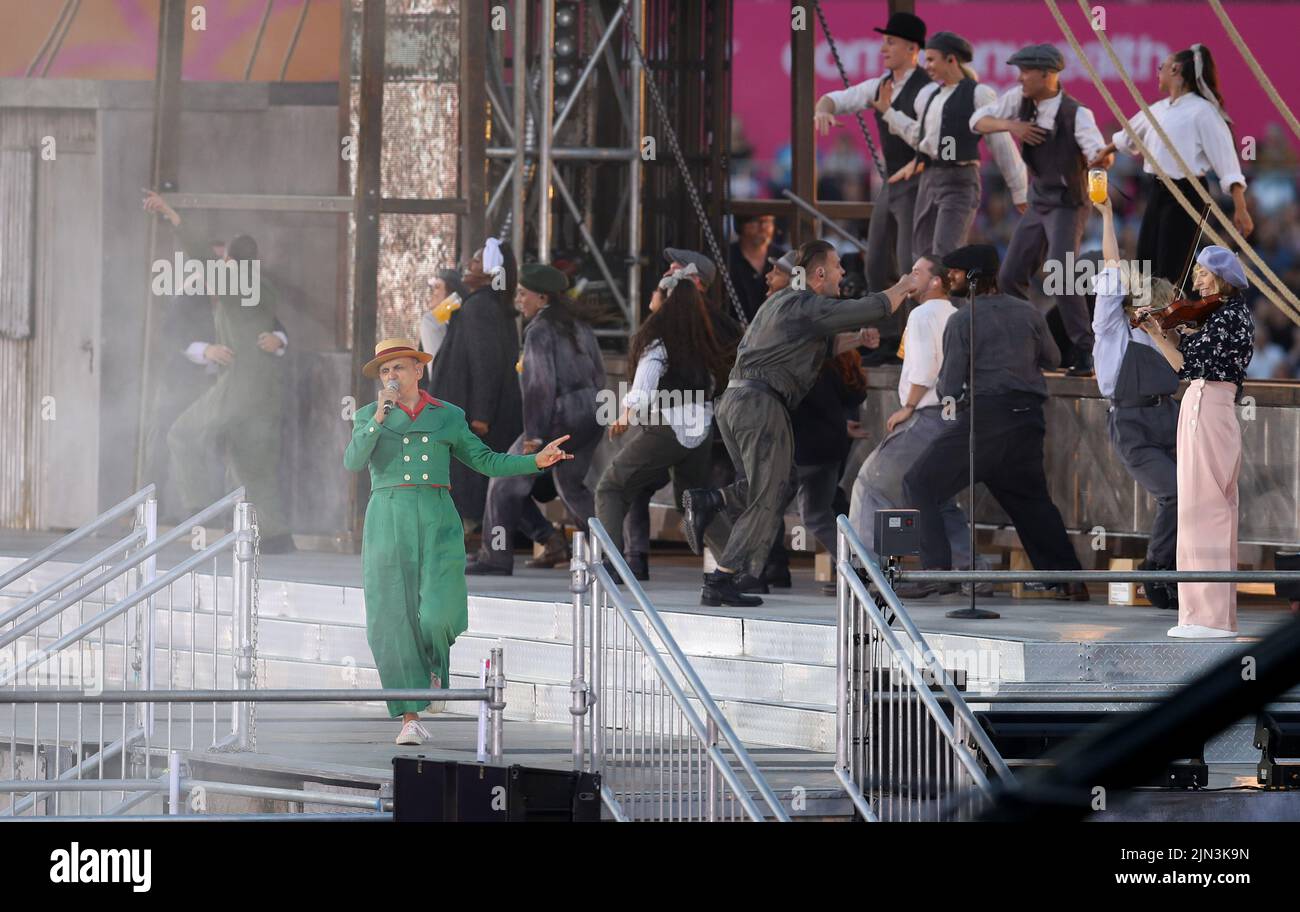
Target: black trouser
{"x": 1167, "y": 231}
{"x": 1009, "y": 434}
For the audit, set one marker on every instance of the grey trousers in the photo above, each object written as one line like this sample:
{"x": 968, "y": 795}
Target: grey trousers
{"x": 946, "y": 202}
{"x": 1146, "y": 441}
{"x": 1047, "y": 234}
{"x": 889, "y": 234}
{"x": 509, "y": 501}
{"x": 755, "y": 428}
{"x": 649, "y": 450}
{"x": 879, "y": 485}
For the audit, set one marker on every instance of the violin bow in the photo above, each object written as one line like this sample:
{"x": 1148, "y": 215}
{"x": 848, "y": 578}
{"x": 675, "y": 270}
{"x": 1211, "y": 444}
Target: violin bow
{"x": 1191, "y": 254}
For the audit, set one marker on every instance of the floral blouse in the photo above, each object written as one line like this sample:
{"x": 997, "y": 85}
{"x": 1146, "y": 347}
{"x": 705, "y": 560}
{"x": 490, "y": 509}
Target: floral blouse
{"x": 1223, "y": 347}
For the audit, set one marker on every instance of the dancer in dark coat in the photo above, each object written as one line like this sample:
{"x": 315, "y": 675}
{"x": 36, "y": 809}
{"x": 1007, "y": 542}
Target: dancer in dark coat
{"x": 475, "y": 368}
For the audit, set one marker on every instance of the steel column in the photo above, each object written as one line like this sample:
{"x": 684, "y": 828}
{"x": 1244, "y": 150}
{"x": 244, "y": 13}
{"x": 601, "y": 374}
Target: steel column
{"x": 473, "y": 120}
{"x": 365, "y": 283}
{"x": 545, "y": 128}
{"x": 519, "y": 81}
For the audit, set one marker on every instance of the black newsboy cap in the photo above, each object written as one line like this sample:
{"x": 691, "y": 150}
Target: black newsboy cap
{"x": 980, "y": 257}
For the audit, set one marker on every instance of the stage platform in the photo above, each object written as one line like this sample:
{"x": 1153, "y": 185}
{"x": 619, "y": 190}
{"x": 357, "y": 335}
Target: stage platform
{"x": 771, "y": 668}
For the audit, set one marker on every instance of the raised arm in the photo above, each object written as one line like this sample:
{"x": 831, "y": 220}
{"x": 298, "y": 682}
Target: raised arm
{"x": 473, "y": 452}
{"x": 365, "y": 434}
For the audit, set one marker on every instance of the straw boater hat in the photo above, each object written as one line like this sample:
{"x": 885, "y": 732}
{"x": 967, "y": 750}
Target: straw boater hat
{"x": 390, "y": 349}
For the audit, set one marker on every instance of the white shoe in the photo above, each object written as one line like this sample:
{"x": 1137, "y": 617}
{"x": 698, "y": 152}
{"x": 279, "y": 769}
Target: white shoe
{"x": 436, "y": 706}
{"x": 413, "y": 733}
{"x": 1197, "y": 632}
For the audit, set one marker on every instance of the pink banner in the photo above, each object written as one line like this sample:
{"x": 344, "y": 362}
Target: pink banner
{"x": 1143, "y": 34}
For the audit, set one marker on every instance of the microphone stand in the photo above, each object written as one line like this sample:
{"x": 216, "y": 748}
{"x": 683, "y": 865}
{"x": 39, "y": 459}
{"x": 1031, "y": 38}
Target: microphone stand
{"x": 971, "y": 613}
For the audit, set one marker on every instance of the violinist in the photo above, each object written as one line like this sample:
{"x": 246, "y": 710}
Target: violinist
{"x": 1214, "y": 358}
{"x": 1142, "y": 420}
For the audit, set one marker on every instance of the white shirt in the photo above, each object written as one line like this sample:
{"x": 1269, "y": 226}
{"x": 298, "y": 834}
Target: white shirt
{"x": 1197, "y": 131}
{"x": 1007, "y": 107}
{"x": 1002, "y": 147}
{"x": 433, "y": 332}
{"x": 923, "y": 350}
{"x": 194, "y": 351}
{"x": 690, "y": 419}
{"x": 1111, "y": 329}
{"x": 859, "y": 97}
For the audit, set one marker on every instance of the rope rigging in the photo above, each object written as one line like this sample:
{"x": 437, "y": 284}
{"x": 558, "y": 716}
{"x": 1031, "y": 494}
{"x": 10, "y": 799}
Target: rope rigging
{"x": 1286, "y": 302}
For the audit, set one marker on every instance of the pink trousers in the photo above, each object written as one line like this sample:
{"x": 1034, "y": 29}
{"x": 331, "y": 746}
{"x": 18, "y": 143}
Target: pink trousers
{"x": 1209, "y": 462}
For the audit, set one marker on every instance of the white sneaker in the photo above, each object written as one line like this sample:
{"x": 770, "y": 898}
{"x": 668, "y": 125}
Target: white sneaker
{"x": 1197, "y": 632}
{"x": 413, "y": 733}
{"x": 436, "y": 706}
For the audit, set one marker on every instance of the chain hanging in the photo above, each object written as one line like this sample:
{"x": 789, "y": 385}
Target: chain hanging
{"x": 844, "y": 76}
{"x": 681, "y": 167}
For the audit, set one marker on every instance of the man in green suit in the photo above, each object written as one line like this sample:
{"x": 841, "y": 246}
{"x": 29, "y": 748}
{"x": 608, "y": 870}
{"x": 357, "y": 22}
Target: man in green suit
{"x": 413, "y": 542}
{"x": 237, "y": 420}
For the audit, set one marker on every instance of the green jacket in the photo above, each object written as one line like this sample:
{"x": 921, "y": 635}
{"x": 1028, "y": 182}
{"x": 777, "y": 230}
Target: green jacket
{"x": 401, "y": 451}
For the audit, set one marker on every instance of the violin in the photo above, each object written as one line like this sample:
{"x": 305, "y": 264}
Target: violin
{"x": 1183, "y": 312}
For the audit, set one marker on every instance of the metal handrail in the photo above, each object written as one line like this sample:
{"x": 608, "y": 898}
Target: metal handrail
{"x": 937, "y": 715}
{"x": 99, "y": 620}
{"x": 858, "y": 549}
{"x": 122, "y": 544}
{"x": 103, "y": 519}
{"x": 1127, "y": 576}
{"x": 119, "y": 569}
{"x": 606, "y": 545}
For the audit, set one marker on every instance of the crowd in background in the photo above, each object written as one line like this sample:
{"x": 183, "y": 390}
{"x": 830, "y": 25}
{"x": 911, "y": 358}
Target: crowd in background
{"x": 844, "y": 172}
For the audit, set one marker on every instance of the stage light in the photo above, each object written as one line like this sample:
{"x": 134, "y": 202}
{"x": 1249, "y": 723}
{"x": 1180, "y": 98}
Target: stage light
{"x": 1277, "y": 735}
{"x": 565, "y": 47}
{"x": 1034, "y": 738}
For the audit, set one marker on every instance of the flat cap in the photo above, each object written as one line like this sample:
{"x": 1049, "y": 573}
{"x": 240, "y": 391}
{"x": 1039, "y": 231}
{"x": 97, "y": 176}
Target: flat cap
{"x": 1223, "y": 263}
{"x": 543, "y": 279}
{"x": 785, "y": 262}
{"x": 981, "y": 258}
{"x": 708, "y": 271}
{"x": 1038, "y": 57}
{"x": 951, "y": 43}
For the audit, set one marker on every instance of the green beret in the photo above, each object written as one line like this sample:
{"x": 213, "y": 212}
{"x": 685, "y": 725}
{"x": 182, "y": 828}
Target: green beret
{"x": 543, "y": 279}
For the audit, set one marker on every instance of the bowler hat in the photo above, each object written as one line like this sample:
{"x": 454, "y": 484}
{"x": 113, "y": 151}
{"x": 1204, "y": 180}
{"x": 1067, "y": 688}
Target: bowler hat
{"x": 905, "y": 26}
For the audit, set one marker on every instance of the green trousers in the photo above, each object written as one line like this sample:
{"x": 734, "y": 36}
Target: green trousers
{"x": 413, "y": 571}
{"x": 250, "y": 447}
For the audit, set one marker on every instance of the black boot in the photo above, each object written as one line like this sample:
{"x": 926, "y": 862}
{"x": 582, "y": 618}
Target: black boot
{"x": 746, "y": 582}
{"x": 1082, "y": 366}
{"x": 777, "y": 575}
{"x": 1161, "y": 595}
{"x": 640, "y": 565}
{"x": 720, "y": 589}
{"x": 699, "y": 506}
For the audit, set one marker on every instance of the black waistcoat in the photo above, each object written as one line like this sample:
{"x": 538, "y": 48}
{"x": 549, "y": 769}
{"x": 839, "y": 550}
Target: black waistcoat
{"x": 897, "y": 152}
{"x": 1057, "y": 165}
{"x": 955, "y": 122}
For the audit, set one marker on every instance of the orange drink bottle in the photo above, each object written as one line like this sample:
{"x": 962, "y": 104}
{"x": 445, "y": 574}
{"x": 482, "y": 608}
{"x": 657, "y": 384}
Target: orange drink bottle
{"x": 1097, "y": 185}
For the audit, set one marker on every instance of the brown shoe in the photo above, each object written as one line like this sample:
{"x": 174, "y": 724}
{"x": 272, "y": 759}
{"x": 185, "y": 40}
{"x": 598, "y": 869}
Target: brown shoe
{"x": 1072, "y": 592}
{"x": 555, "y": 552}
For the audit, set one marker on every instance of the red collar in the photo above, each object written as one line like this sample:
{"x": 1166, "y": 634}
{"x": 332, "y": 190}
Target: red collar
{"x": 425, "y": 399}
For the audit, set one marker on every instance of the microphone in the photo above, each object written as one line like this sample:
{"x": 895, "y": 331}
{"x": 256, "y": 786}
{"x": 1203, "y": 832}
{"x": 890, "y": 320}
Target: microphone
{"x": 388, "y": 406}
